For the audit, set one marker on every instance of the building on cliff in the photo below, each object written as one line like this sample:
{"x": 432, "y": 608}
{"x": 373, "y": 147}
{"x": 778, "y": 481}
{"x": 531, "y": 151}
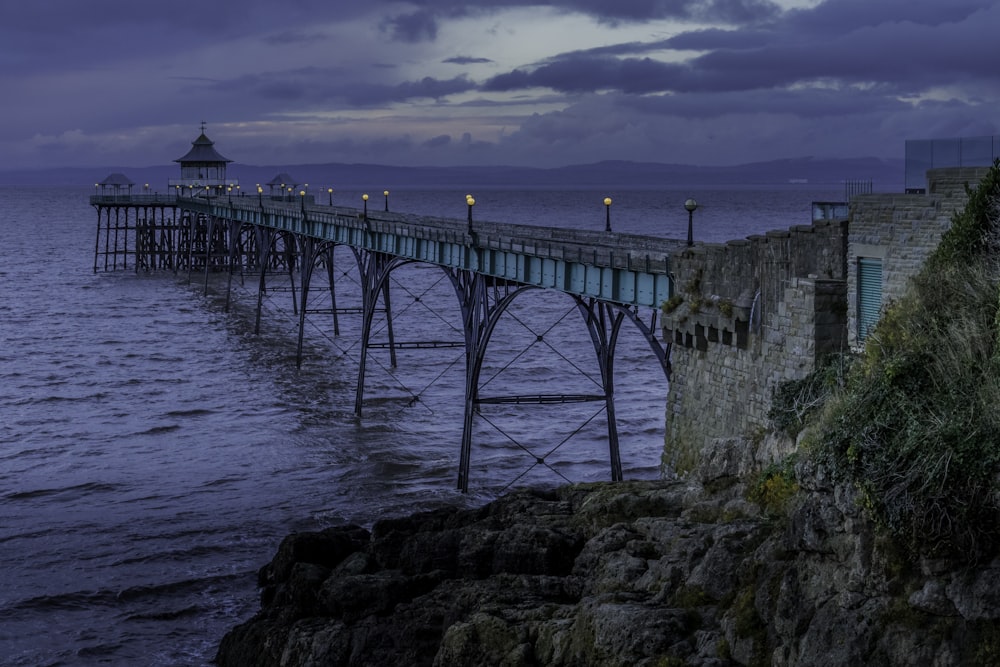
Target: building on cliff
{"x": 751, "y": 314}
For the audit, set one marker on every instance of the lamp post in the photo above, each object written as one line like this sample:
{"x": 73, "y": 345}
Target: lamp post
{"x": 302, "y": 197}
{"x": 386, "y": 193}
{"x": 691, "y": 205}
{"x": 329, "y": 191}
{"x": 470, "y": 202}
{"x": 607, "y": 214}
{"x": 364, "y": 198}
{"x": 260, "y": 195}
{"x": 289, "y": 193}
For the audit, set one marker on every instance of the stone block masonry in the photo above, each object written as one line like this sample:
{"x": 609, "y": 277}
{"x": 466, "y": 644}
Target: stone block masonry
{"x": 746, "y": 316}
{"x": 749, "y": 315}
{"x": 900, "y": 231}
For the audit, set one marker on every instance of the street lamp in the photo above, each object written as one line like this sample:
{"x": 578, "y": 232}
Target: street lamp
{"x": 386, "y": 193}
{"x": 691, "y": 205}
{"x": 607, "y": 214}
{"x": 329, "y": 191}
{"x": 260, "y": 195}
{"x": 364, "y": 197}
{"x": 470, "y": 202}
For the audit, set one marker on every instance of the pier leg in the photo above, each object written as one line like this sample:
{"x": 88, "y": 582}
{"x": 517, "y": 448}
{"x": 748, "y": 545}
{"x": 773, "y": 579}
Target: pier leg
{"x": 309, "y": 254}
{"x": 266, "y": 237}
{"x": 374, "y": 268}
{"x": 483, "y": 300}
{"x": 603, "y": 324}
{"x": 333, "y": 289}
{"x": 388, "y": 319}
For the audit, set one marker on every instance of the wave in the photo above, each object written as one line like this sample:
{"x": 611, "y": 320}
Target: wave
{"x": 89, "y": 487}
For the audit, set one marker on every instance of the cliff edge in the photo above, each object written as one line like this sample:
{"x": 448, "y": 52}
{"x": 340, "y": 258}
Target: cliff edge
{"x": 637, "y": 573}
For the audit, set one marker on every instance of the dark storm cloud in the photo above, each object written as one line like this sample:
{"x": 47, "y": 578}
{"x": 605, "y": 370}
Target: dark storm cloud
{"x": 314, "y": 86}
{"x": 415, "y": 27}
{"x": 466, "y": 60}
{"x": 898, "y": 58}
{"x": 714, "y": 79}
{"x": 612, "y": 11}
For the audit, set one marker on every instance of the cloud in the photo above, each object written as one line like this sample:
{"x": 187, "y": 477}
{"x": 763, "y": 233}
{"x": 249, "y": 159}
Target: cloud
{"x": 466, "y": 60}
{"x": 515, "y": 81}
{"x": 415, "y": 27}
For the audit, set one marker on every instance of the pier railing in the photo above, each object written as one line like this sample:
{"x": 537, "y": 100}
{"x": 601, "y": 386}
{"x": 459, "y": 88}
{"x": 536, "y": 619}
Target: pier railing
{"x": 618, "y": 267}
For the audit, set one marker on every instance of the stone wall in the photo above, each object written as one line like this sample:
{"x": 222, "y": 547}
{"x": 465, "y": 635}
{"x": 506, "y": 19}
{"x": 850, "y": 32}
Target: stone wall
{"x": 902, "y": 230}
{"x": 747, "y": 316}
{"x": 751, "y": 314}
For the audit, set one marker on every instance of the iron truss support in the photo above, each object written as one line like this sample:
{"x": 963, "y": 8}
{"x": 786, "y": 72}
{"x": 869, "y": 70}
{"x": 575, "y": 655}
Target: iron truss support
{"x": 604, "y": 321}
{"x": 374, "y": 268}
{"x": 483, "y": 300}
{"x": 313, "y": 252}
{"x": 273, "y": 257}
{"x": 648, "y": 331}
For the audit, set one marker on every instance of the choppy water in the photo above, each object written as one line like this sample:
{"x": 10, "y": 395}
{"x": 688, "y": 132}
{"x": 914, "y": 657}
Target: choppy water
{"x": 154, "y": 451}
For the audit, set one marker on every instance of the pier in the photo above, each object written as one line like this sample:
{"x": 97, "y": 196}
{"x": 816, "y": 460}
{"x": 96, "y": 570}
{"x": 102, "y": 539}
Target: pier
{"x": 611, "y": 277}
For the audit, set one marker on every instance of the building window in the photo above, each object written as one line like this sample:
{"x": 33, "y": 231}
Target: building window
{"x": 869, "y": 295}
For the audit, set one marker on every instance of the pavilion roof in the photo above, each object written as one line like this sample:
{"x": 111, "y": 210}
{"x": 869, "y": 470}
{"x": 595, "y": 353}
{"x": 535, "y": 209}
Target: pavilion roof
{"x": 202, "y": 151}
{"x": 117, "y": 179}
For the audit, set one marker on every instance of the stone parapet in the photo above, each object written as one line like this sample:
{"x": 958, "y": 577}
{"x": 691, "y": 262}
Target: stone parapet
{"x": 745, "y": 317}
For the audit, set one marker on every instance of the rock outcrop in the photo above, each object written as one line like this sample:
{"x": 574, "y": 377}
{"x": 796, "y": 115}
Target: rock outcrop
{"x": 636, "y": 573}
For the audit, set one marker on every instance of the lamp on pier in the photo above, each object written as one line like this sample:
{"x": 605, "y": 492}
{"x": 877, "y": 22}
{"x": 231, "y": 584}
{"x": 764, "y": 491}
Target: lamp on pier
{"x": 386, "y": 193}
{"x": 302, "y": 197}
{"x": 229, "y": 194}
{"x": 329, "y": 191}
{"x": 364, "y": 198}
{"x": 289, "y": 193}
{"x": 147, "y": 188}
{"x": 607, "y": 214}
{"x": 690, "y": 205}
{"x": 470, "y": 202}
{"x": 260, "y": 195}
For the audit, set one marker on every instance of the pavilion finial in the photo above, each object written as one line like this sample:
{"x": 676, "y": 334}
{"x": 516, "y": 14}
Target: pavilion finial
{"x": 203, "y": 127}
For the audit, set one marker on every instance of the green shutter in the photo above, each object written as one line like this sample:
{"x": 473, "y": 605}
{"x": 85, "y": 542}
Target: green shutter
{"x": 869, "y": 294}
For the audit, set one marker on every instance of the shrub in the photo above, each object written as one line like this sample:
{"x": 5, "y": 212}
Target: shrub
{"x": 774, "y": 487}
{"x": 916, "y": 429}
{"x": 794, "y": 402}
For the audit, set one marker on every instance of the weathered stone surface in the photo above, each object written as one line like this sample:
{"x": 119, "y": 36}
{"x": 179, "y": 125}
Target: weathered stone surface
{"x": 638, "y": 573}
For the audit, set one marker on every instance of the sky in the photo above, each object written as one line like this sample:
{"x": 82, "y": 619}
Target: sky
{"x": 502, "y": 82}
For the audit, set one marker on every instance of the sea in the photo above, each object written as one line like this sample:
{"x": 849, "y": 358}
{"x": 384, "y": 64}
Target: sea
{"x": 154, "y": 449}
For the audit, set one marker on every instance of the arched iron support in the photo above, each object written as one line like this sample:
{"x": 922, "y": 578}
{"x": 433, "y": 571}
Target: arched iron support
{"x": 267, "y": 239}
{"x": 374, "y": 268}
{"x": 603, "y": 324}
{"x": 661, "y": 351}
{"x": 312, "y": 250}
{"x": 480, "y": 314}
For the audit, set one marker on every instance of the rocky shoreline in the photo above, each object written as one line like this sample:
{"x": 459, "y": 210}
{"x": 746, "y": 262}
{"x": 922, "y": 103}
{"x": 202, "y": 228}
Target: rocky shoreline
{"x": 638, "y": 573}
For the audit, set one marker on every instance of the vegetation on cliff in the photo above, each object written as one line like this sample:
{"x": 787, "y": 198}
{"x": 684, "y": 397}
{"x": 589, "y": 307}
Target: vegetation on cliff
{"x": 916, "y": 428}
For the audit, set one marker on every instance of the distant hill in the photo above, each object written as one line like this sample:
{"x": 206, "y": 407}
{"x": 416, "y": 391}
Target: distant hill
{"x": 886, "y": 175}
